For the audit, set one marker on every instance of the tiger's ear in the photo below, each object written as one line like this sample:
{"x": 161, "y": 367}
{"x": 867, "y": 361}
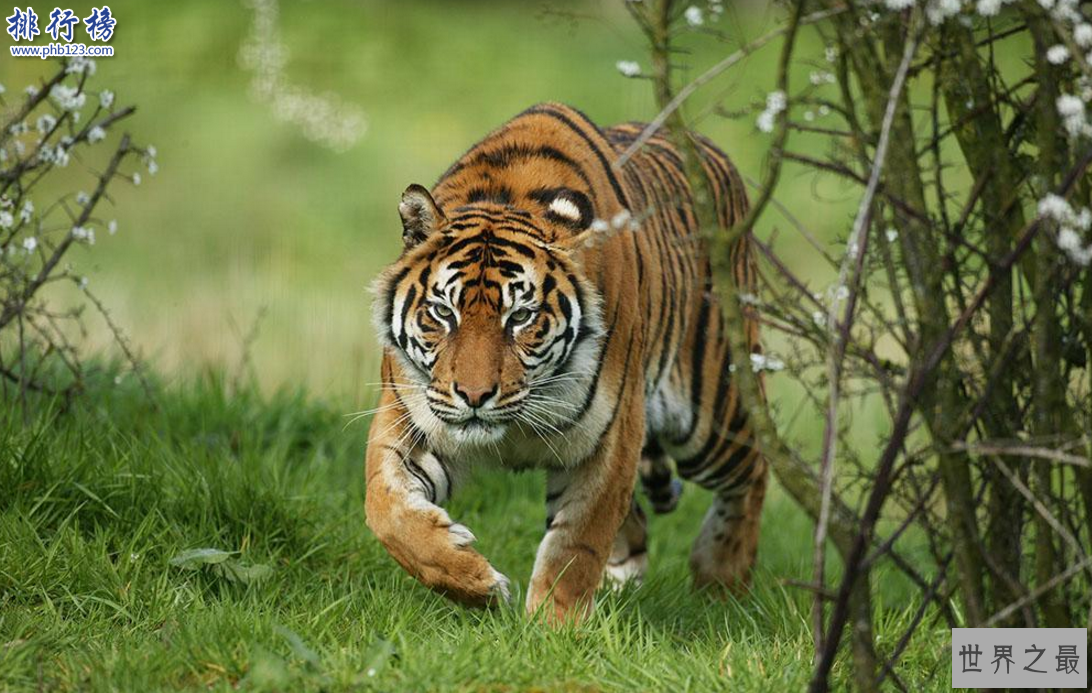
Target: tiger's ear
{"x": 420, "y": 215}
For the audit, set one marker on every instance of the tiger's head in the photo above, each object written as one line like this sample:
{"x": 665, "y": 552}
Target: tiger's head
{"x": 490, "y": 317}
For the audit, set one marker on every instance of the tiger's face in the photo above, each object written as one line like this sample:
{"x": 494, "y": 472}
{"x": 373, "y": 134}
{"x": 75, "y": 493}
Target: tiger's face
{"x": 494, "y": 327}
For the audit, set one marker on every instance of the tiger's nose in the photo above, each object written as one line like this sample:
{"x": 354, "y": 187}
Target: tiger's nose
{"x": 475, "y": 395}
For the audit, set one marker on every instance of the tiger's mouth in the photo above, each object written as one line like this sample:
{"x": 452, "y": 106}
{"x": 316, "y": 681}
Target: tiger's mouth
{"x": 476, "y": 423}
{"x": 505, "y": 409}
{"x": 475, "y": 430}
{"x": 474, "y": 419}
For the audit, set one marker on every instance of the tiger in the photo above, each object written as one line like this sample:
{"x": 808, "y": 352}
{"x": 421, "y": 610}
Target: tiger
{"x": 553, "y": 310}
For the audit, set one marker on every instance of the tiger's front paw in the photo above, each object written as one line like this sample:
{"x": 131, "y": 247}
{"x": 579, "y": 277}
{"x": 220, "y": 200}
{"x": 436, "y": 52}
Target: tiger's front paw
{"x": 437, "y": 553}
{"x": 480, "y": 585}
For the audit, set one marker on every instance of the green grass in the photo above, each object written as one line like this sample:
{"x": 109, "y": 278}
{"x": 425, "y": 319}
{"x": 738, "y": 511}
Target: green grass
{"x": 96, "y": 500}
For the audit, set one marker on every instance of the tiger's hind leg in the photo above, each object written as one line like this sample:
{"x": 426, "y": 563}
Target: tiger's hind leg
{"x": 661, "y": 487}
{"x": 628, "y": 560}
{"x": 629, "y": 557}
{"x": 724, "y": 552}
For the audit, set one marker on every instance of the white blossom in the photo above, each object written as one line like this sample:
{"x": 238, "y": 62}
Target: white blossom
{"x": 1082, "y": 34}
{"x": 621, "y": 219}
{"x": 831, "y": 53}
{"x": 818, "y": 77}
{"x": 2, "y": 89}
{"x": 819, "y": 318}
{"x": 1057, "y": 54}
{"x": 79, "y": 65}
{"x": 1071, "y": 109}
{"x": 31, "y": 90}
{"x": 82, "y": 198}
{"x": 899, "y": 4}
{"x": 694, "y": 16}
{"x": 30, "y": 243}
{"x": 628, "y": 68}
{"x": 1070, "y": 223}
{"x": 939, "y": 10}
{"x": 84, "y": 233}
{"x": 988, "y": 8}
{"x": 776, "y": 102}
{"x": 891, "y": 234}
{"x": 67, "y": 98}
{"x": 96, "y": 134}
{"x": 765, "y": 121}
{"x": 45, "y": 123}
{"x": 1065, "y": 10}
{"x": 604, "y": 229}
{"x": 1069, "y": 105}
{"x": 6, "y": 219}
{"x": 112, "y": 226}
{"x": 46, "y": 155}
{"x": 1068, "y": 239}
{"x": 136, "y": 179}
{"x": 149, "y": 159}
{"x": 1083, "y": 220}
{"x": 106, "y": 98}
{"x": 761, "y": 362}
{"x": 1070, "y": 243}
{"x": 1054, "y": 207}
{"x": 748, "y": 299}
{"x": 27, "y": 212}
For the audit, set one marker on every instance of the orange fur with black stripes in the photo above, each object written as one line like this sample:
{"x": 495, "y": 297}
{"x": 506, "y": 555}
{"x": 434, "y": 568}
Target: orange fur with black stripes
{"x": 552, "y": 312}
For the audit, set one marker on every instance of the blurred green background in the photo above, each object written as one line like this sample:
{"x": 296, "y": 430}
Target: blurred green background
{"x": 248, "y": 216}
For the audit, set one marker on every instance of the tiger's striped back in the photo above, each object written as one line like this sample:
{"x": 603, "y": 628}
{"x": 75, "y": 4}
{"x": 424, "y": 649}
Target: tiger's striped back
{"x": 691, "y": 338}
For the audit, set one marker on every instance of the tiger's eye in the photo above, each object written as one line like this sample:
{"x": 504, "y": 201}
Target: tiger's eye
{"x": 520, "y": 316}
{"x": 443, "y": 311}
